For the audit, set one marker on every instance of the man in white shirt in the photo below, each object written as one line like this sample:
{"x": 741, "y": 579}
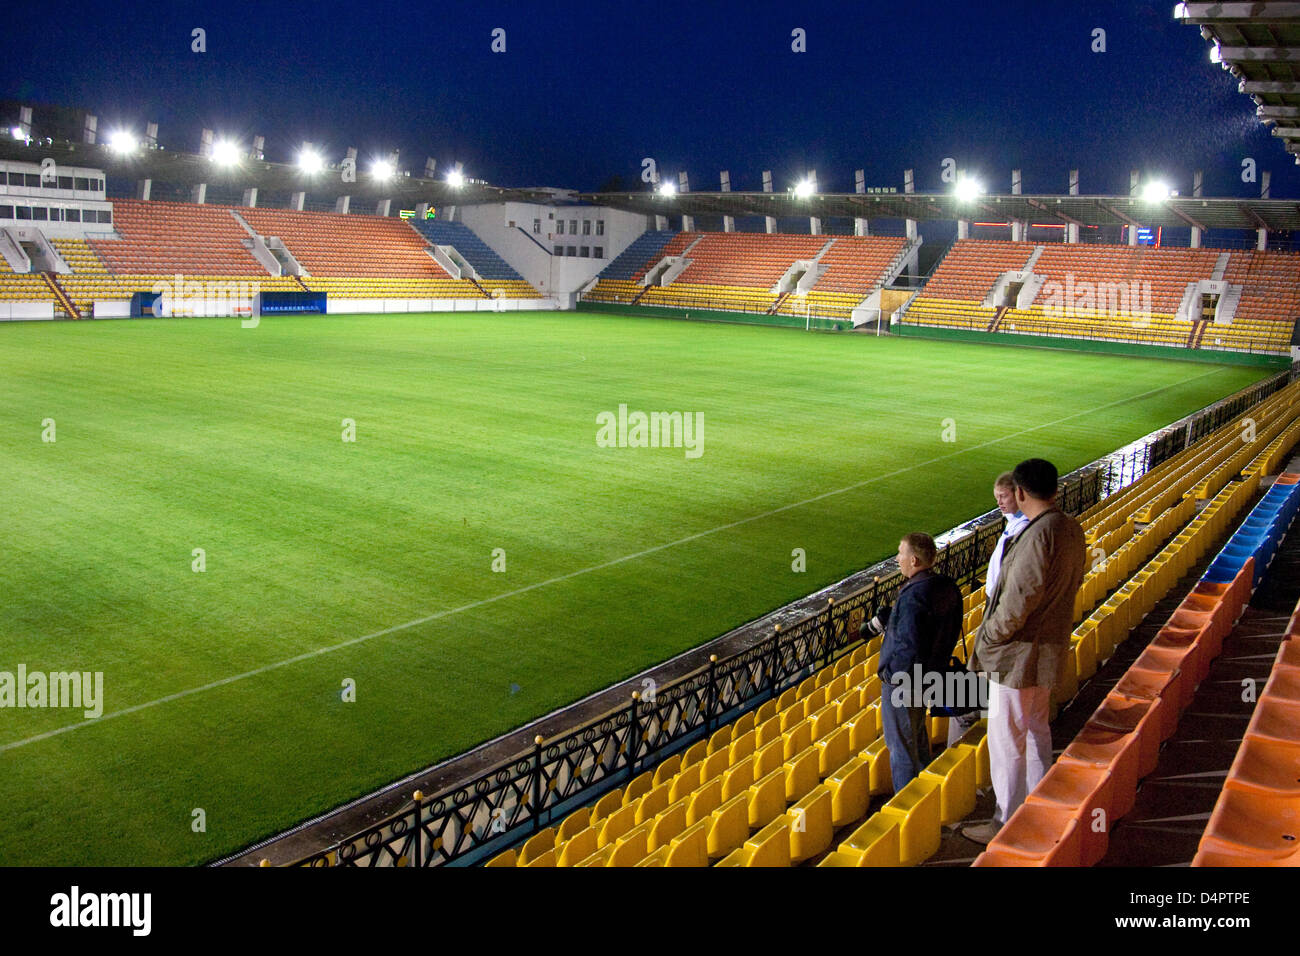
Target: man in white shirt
{"x": 1004, "y": 492}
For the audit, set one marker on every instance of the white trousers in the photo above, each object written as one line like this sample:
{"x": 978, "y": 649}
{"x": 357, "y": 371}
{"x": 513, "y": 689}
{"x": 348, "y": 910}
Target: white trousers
{"x": 1020, "y": 743}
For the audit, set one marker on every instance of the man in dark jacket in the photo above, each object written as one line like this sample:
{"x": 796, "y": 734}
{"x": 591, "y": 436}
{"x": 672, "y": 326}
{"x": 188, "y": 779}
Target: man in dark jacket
{"x": 924, "y": 627}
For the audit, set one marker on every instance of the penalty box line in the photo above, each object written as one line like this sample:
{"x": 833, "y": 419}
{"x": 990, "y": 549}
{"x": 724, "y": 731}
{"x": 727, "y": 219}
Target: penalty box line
{"x": 449, "y": 612}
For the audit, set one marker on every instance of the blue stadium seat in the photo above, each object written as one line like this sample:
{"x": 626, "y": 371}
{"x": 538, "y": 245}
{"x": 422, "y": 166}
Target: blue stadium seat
{"x": 476, "y": 252}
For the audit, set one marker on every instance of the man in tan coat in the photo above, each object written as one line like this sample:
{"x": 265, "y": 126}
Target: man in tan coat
{"x": 1023, "y": 643}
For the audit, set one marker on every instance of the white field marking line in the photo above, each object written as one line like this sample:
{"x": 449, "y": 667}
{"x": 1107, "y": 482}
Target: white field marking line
{"x": 308, "y": 655}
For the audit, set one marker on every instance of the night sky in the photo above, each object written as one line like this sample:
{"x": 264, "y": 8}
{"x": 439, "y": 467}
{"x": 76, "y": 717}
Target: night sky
{"x": 584, "y": 91}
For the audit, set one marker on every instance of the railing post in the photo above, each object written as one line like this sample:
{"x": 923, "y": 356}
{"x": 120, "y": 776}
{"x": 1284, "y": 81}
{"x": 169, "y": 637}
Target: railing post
{"x": 828, "y": 636}
{"x": 633, "y": 724}
{"x": 776, "y": 648}
{"x": 418, "y": 797}
{"x": 711, "y": 695}
{"x": 537, "y": 783}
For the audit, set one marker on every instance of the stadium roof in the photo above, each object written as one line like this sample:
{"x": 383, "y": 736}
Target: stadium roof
{"x": 1259, "y": 43}
{"x": 1173, "y": 212}
{"x": 191, "y": 169}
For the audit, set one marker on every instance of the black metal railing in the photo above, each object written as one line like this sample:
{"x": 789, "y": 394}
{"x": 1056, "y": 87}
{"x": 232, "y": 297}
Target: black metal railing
{"x": 474, "y": 820}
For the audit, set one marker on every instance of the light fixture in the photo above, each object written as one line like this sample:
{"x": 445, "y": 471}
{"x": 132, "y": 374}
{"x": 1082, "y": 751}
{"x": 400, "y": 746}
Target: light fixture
{"x": 1155, "y": 191}
{"x": 967, "y": 190}
{"x": 382, "y": 169}
{"x": 804, "y": 188}
{"x": 225, "y": 152}
{"x": 455, "y": 179}
{"x": 309, "y": 161}
{"x": 666, "y": 188}
{"x": 1216, "y": 55}
{"x": 122, "y": 141}
{"x": 18, "y": 133}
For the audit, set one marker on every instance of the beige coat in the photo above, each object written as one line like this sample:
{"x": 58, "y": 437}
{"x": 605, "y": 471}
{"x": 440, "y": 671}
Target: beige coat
{"x": 1025, "y": 637}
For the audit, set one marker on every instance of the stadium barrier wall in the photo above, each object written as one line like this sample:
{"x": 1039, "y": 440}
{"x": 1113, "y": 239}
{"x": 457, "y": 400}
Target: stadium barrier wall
{"x": 354, "y": 306}
{"x": 470, "y": 822}
{"x": 1259, "y": 359}
{"x": 716, "y": 315}
{"x": 25, "y": 311}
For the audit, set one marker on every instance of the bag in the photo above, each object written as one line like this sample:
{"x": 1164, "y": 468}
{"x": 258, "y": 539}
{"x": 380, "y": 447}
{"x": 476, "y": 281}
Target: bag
{"x": 974, "y": 683}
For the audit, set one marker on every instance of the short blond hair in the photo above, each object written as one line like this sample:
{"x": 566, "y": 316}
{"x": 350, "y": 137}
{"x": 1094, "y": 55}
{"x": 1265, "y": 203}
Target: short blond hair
{"x": 1005, "y": 480}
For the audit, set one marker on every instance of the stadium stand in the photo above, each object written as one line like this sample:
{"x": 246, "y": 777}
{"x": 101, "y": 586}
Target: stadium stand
{"x": 775, "y": 786}
{"x": 21, "y": 288}
{"x": 620, "y": 280}
{"x": 855, "y": 267}
{"x": 1115, "y": 293}
{"x": 494, "y": 273}
{"x": 164, "y": 238}
{"x": 1270, "y": 301}
{"x": 734, "y": 270}
{"x": 347, "y": 256}
{"x": 740, "y": 272}
{"x": 360, "y": 257}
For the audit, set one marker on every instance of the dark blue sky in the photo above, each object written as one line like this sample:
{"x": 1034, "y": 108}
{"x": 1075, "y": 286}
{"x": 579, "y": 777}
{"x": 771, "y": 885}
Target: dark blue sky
{"x": 585, "y": 90}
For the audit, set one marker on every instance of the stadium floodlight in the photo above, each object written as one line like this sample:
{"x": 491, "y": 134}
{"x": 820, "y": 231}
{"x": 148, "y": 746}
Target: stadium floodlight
{"x": 17, "y": 133}
{"x": 967, "y": 190}
{"x": 666, "y": 188}
{"x": 455, "y": 179}
{"x": 382, "y": 169}
{"x": 1216, "y": 55}
{"x": 310, "y": 161}
{"x": 1155, "y": 191}
{"x": 225, "y": 152}
{"x": 804, "y": 188}
{"x": 122, "y": 141}
{"x": 1180, "y": 11}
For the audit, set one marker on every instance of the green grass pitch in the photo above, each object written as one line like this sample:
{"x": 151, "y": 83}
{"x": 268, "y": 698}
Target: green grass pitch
{"x": 473, "y": 433}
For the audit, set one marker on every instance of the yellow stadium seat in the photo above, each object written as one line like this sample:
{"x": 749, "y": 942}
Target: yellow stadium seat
{"x": 850, "y": 788}
{"x": 769, "y": 847}
{"x": 917, "y": 809}
{"x": 875, "y": 843}
{"x": 810, "y": 825}
{"x": 954, "y": 771}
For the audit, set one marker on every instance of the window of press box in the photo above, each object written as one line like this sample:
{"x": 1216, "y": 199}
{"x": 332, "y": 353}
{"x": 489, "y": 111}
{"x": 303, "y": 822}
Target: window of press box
{"x": 82, "y": 183}
{"x": 586, "y": 227}
{"x": 32, "y": 179}
{"x": 572, "y": 251}
{"x": 65, "y": 182}
{"x": 6, "y": 212}
{"x": 598, "y": 252}
{"x": 585, "y": 252}
{"x": 106, "y": 215}
{"x": 40, "y": 213}
{"x": 573, "y": 227}
{"x": 537, "y": 226}
{"x": 72, "y": 215}
{"x": 558, "y": 251}
{"x": 24, "y": 212}
{"x": 600, "y": 227}
{"x": 559, "y": 227}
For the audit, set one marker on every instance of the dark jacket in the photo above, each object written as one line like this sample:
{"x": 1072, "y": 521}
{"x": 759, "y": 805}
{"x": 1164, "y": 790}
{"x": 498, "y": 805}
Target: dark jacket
{"x": 924, "y": 625}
